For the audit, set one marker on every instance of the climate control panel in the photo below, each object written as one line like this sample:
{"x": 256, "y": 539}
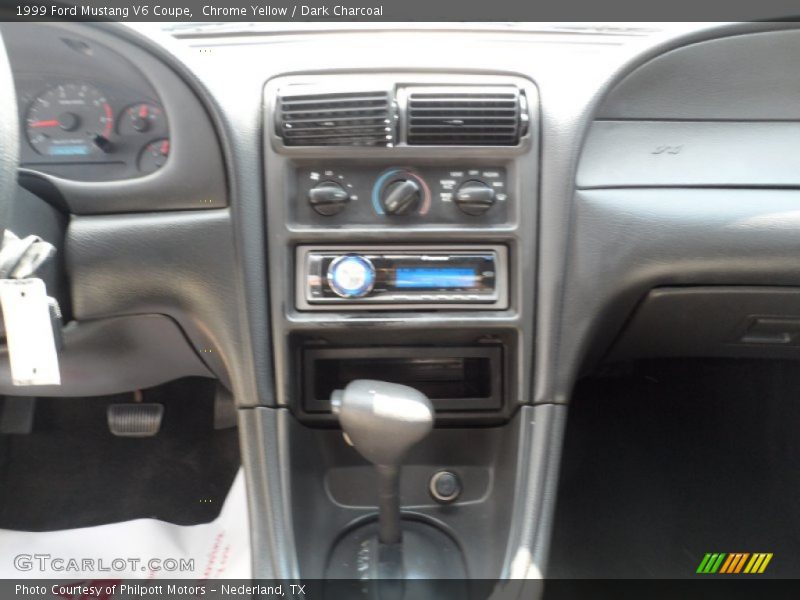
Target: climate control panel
{"x": 400, "y": 194}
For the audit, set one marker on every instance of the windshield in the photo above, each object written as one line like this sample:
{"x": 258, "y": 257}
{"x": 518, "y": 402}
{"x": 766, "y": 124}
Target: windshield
{"x": 202, "y": 29}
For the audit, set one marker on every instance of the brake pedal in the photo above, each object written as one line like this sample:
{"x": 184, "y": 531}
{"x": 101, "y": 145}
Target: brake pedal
{"x": 135, "y": 420}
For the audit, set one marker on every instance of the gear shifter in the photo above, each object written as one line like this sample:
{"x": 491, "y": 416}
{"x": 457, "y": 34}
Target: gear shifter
{"x": 383, "y": 421}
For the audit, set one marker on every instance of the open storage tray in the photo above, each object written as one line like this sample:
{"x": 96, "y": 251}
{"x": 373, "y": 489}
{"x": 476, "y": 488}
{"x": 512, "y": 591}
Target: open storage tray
{"x": 463, "y": 378}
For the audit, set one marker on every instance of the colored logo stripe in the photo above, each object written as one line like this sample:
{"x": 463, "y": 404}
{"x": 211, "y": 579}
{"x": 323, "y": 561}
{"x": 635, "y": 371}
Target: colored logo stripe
{"x": 711, "y": 563}
{"x": 734, "y": 563}
{"x": 758, "y": 563}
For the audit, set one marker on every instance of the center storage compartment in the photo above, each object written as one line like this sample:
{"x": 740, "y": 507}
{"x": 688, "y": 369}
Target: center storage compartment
{"x": 455, "y": 378}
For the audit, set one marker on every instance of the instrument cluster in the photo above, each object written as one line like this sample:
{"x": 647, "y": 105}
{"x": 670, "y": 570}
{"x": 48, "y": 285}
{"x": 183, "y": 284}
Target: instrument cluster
{"x": 91, "y": 131}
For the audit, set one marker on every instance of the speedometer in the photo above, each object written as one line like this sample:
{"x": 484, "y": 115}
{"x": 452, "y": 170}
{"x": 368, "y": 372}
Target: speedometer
{"x": 70, "y": 120}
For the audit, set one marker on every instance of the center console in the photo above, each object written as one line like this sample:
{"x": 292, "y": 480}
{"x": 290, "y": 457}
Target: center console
{"x": 402, "y": 211}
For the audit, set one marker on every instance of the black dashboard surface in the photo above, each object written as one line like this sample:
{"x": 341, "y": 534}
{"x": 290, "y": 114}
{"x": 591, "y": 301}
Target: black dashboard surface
{"x": 79, "y": 81}
{"x": 626, "y": 117}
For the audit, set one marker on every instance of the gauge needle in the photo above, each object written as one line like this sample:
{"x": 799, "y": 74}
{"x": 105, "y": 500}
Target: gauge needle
{"x": 49, "y": 123}
{"x": 103, "y": 143}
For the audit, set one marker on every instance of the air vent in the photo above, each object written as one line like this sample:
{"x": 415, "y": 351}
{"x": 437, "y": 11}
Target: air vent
{"x": 466, "y": 116}
{"x": 336, "y": 119}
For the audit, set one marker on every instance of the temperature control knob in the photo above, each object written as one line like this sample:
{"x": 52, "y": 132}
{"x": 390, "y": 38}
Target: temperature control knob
{"x": 401, "y": 197}
{"x": 351, "y": 276}
{"x": 474, "y": 197}
{"x": 328, "y": 198}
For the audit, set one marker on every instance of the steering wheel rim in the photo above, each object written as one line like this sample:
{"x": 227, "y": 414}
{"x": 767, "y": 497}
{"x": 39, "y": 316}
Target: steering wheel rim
{"x": 9, "y": 139}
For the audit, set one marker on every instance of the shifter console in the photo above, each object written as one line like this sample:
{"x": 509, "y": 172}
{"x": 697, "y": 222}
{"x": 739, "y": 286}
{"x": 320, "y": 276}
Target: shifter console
{"x": 402, "y": 221}
{"x": 382, "y": 421}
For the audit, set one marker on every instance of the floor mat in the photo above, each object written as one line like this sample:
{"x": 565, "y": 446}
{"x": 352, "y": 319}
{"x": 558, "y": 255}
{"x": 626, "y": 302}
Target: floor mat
{"x": 679, "y": 459}
{"x": 144, "y": 548}
{"x": 72, "y": 472}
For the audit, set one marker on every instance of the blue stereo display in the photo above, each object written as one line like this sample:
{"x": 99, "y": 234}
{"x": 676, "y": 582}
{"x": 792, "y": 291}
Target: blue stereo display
{"x": 435, "y": 277}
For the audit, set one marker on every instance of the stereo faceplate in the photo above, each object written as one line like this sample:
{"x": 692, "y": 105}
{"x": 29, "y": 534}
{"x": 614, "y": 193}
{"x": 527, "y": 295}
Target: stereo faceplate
{"x": 404, "y": 277}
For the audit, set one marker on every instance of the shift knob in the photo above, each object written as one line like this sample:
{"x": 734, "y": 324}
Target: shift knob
{"x": 383, "y": 421}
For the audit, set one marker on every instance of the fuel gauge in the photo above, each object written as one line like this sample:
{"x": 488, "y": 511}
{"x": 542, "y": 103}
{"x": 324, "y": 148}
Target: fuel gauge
{"x": 143, "y": 117}
{"x": 153, "y": 156}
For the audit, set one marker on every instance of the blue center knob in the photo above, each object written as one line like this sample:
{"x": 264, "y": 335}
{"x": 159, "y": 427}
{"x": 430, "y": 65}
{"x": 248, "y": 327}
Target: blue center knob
{"x": 351, "y": 276}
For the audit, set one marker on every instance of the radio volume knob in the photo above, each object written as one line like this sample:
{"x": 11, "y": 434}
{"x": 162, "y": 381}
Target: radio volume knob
{"x": 328, "y": 198}
{"x": 474, "y": 197}
{"x": 351, "y": 276}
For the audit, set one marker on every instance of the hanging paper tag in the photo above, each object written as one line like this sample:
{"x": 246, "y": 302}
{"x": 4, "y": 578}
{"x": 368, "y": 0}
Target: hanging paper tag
{"x": 29, "y": 332}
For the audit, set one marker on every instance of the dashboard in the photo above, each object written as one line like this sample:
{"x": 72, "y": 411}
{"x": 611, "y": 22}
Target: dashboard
{"x": 487, "y": 214}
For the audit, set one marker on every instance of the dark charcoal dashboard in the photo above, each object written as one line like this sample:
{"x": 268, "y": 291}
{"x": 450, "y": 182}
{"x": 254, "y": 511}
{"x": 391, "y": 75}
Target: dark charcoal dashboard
{"x": 484, "y": 217}
{"x": 106, "y": 128}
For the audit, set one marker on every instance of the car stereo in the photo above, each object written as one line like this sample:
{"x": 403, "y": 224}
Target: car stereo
{"x": 390, "y": 278}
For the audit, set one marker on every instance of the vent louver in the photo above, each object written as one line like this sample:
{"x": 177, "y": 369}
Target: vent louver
{"x": 466, "y": 116}
{"x": 336, "y": 119}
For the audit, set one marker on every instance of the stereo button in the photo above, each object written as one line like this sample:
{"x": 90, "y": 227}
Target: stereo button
{"x": 351, "y": 276}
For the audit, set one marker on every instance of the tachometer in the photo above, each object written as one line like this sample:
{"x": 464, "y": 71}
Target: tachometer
{"x": 70, "y": 120}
